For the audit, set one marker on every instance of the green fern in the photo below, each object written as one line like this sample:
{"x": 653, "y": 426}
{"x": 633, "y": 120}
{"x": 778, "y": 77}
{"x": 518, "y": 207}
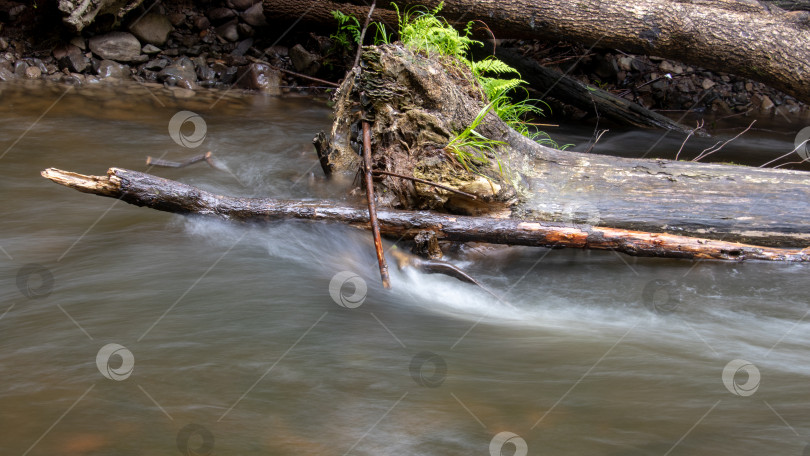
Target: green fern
{"x": 422, "y": 30}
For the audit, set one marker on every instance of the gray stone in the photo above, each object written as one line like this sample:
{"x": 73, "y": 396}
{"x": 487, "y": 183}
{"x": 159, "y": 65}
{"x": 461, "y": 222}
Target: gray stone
{"x": 19, "y": 68}
{"x": 152, "y": 29}
{"x": 229, "y": 31}
{"x": 277, "y": 51}
{"x": 74, "y": 60}
{"x": 177, "y": 19}
{"x": 3, "y": 43}
{"x": 119, "y": 46}
{"x": 180, "y": 73}
{"x": 79, "y": 42}
{"x": 150, "y": 49}
{"x": 304, "y": 61}
{"x": 242, "y": 5}
{"x": 220, "y": 15}
{"x": 6, "y": 75}
{"x": 111, "y": 69}
{"x": 258, "y": 76}
{"x": 244, "y": 30}
{"x": 157, "y": 64}
{"x": 254, "y": 16}
{"x": 202, "y": 23}
{"x": 242, "y": 47}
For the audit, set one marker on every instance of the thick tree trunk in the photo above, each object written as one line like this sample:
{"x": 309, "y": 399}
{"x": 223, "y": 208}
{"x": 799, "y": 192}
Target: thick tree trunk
{"x": 417, "y": 104}
{"x": 143, "y": 189}
{"x": 743, "y": 37}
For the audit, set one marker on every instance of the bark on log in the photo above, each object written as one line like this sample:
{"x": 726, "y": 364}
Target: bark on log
{"x": 151, "y": 191}
{"x": 743, "y": 37}
{"x": 417, "y": 104}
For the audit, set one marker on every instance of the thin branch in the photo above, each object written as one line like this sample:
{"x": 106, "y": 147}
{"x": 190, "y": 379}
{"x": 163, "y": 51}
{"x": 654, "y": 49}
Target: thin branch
{"x": 363, "y": 34}
{"x": 713, "y": 149}
{"x": 599, "y": 135}
{"x": 206, "y": 157}
{"x": 698, "y": 126}
{"x": 426, "y": 182}
{"x": 372, "y": 209}
{"x": 801, "y": 144}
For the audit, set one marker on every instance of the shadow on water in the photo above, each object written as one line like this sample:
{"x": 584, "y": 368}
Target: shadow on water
{"x": 240, "y": 339}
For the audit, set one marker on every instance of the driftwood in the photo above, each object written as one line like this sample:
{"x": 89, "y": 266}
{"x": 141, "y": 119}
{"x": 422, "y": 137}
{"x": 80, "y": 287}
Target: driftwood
{"x": 418, "y": 104}
{"x": 143, "y": 189}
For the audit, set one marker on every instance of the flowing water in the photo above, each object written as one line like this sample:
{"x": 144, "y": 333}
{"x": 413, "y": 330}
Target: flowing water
{"x": 231, "y": 339}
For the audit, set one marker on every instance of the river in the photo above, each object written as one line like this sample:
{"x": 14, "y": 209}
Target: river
{"x": 128, "y": 331}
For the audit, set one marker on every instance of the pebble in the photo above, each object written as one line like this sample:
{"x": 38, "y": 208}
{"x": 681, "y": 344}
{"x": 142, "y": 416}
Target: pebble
{"x": 33, "y": 72}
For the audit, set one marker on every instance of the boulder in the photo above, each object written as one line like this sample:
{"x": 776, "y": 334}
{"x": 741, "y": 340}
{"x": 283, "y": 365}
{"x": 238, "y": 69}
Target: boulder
{"x": 118, "y": 46}
{"x": 152, "y": 29}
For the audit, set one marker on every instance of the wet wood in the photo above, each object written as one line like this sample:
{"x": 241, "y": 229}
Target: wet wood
{"x": 206, "y": 157}
{"x": 417, "y": 104}
{"x": 143, "y": 189}
{"x": 372, "y": 209}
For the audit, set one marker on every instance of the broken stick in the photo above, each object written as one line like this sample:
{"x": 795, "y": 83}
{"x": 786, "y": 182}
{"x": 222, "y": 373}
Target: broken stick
{"x": 372, "y": 209}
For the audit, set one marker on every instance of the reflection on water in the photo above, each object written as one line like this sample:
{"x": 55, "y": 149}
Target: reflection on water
{"x": 237, "y": 346}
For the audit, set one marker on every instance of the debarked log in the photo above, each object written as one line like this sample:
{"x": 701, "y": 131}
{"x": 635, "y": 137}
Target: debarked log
{"x": 143, "y": 189}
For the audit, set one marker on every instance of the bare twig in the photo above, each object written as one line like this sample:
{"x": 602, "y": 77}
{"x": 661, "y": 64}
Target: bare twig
{"x": 698, "y": 126}
{"x": 206, "y": 157}
{"x": 426, "y": 182}
{"x": 372, "y": 209}
{"x": 598, "y": 135}
{"x": 715, "y": 148}
{"x": 298, "y": 75}
{"x": 363, "y": 34}
{"x": 801, "y": 144}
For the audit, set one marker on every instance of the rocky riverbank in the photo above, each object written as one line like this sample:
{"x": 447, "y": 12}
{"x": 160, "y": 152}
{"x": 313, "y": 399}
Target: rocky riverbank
{"x": 665, "y": 85}
{"x": 223, "y": 44}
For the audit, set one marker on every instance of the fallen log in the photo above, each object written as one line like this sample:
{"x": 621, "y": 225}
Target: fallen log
{"x": 418, "y": 104}
{"x": 143, "y": 189}
{"x": 743, "y": 37}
